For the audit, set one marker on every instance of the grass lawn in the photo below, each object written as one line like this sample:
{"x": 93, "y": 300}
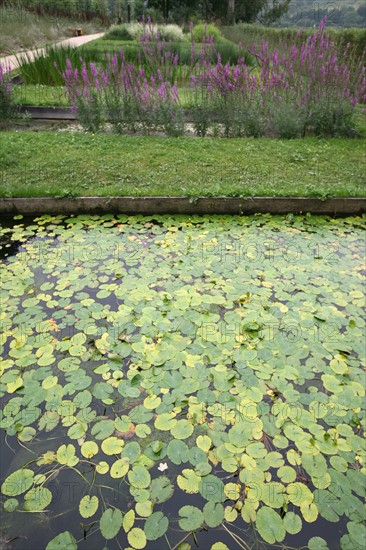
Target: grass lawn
{"x": 38, "y": 95}
{"x": 62, "y": 164}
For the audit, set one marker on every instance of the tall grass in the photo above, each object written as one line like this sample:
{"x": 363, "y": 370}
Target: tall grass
{"x": 249, "y": 34}
{"x": 42, "y": 70}
{"x": 47, "y": 67}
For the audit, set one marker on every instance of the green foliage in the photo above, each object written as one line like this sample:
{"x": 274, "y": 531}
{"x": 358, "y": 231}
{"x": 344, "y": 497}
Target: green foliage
{"x": 63, "y": 541}
{"x": 134, "y": 31}
{"x": 47, "y": 68}
{"x": 206, "y": 30}
{"x": 110, "y": 523}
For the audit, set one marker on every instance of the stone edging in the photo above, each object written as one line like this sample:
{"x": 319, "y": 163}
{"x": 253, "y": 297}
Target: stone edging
{"x": 48, "y": 113}
{"x": 183, "y": 205}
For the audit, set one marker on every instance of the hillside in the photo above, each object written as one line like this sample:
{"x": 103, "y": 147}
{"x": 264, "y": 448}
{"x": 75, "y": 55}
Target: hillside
{"x": 20, "y": 29}
{"x": 307, "y": 13}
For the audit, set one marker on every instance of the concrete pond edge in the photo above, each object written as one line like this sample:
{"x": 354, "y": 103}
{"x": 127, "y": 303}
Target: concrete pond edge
{"x": 183, "y": 205}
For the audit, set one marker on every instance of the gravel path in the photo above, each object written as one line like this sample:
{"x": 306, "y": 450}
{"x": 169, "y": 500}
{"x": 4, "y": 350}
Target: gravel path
{"x": 11, "y": 62}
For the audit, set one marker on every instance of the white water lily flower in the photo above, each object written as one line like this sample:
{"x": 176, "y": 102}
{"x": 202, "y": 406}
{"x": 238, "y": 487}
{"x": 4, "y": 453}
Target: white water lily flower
{"x": 162, "y": 466}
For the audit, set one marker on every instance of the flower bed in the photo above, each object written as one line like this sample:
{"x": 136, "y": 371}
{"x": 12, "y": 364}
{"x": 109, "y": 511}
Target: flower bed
{"x": 307, "y": 89}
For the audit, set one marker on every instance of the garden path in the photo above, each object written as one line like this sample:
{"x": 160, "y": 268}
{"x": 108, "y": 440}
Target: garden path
{"x": 11, "y": 62}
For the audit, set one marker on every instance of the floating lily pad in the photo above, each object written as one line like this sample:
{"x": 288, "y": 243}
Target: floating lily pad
{"x": 88, "y": 506}
{"x": 270, "y": 525}
{"x": 156, "y": 526}
{"x": 191, "y": 518}
{"x": 37, "y": 499}
{"x": 110, "y": 523}
{"x": 139, "y": 477}
{"x": 18, "y": 482}
{"x": 161, "y": 489}
{"x": 63, "y": 541}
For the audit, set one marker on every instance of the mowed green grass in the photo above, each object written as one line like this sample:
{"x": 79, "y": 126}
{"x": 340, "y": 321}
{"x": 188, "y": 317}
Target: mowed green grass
{"x": 61, "y": 164}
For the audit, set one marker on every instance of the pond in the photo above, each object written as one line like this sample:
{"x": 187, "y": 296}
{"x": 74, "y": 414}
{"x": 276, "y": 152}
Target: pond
{"x": 175, "y": 382}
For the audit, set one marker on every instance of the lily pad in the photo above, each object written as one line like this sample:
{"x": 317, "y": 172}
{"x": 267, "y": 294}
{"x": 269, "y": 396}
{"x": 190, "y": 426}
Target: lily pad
{"x": 88, "y": 506}
{"x": 110, "y": 523}
{"x": 270, "y": 525}
{"x": 156, "y": 526}
{"x": 137, "y": 538}
{"x": 192, "y": 518}
{"x": 18, "y": 482}
{"x": 139, "y": 477}
{"x": 63, "y": 541}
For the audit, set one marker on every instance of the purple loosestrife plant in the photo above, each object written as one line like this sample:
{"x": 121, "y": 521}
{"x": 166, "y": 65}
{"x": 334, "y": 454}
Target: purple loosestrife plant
{"x": 84, "y": 90}
{"x": 7, "y": 107}
{"x": 122, "y": 94}
{"x": 309, "y": 87}
{"x": 303, "y": 87}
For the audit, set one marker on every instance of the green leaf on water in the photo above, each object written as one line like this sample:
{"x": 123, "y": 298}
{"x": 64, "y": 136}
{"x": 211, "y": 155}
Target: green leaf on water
{"x": 110, "y": 523}
{"x": 18, "y": 482}
{"x": 137, "y": 538}
{"x": 66, "y": 455}
{"x": 270, "y": 525}
{"x": 189, "y": 481}
{"x": 37, "y": 499}
{"x": 11, "y": 504}
{"x": 317, "y": 543}
{"x": 89, "y": 449}
{"x": 191, "y": 518}
{"x": 212, "y": 488}
{"x": 177, "y": 452}
{"x": 112, "y": 445}
{"x": 292, "y": 523}
{"x": 128, "y": 520}
{"x": 102, "y": 429}
{"x": 88, "y": 506}
{"x": 120, "y": 468}
{"x": 139, "y": 477}
{"x": 156, "y": 526}
{"x": 161, "y": 489}
{"x": 214, "y": 514}
{"x": 182, "y": 429}
{"x": 63, "y": 541}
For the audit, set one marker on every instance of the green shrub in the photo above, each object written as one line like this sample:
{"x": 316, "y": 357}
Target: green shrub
{"x": 134, "y": 31}
{"x": 201, "y": 30}
{"x": 119, "y": 32}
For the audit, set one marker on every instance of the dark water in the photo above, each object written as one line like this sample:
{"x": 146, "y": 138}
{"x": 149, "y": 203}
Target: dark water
{"x": 41, "y": 244}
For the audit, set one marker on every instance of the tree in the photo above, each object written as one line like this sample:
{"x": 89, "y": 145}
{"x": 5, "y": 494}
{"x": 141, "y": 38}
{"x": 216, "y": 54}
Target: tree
{"x": 226, "y": 11}
{"x": 248, "y": 11}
